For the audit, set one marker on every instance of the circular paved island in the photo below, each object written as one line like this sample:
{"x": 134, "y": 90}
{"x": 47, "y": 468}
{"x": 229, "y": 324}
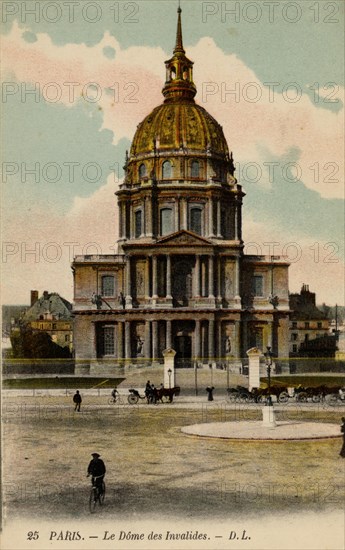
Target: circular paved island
{"x": 256, "y": 431}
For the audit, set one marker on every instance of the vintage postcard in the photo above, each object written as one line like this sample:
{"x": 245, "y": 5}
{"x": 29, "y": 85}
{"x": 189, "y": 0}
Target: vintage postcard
{"x": 173, "y": 314}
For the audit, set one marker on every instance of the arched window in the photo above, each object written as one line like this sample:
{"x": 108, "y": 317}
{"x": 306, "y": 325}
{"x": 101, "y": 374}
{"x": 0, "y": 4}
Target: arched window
{"x": 172, "y": 73}
{"x": 185, "y": 73}
{"x": 196, "y": 220}
{"x": 166, "y": 221}
{"x": 167, "y": 169}
{"x": 142, "y": 170}
{"x": 138, "y": 224}
{"x": 108, "y": 285}
{"x": 195, "y": 169}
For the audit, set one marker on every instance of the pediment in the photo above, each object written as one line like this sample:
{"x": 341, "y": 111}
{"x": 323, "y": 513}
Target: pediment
{"x": 185, "y": 238}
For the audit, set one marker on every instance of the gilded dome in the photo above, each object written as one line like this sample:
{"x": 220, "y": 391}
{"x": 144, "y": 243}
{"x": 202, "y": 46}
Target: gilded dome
{"x": 179, "y": 125}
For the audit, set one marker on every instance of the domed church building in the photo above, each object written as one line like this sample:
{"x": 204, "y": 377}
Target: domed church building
{"x": 180, "y": 279}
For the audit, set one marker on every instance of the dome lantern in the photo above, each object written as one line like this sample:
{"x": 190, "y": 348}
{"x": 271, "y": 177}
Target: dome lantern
{"x": 179, "y": 83}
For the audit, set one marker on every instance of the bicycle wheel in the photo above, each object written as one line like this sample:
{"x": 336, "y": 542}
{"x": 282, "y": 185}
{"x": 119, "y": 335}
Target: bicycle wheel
{"x": 93, "y": 499}
{"x": 102, "y": 495}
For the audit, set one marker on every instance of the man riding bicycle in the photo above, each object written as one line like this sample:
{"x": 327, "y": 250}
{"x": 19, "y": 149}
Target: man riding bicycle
{"x": 97, "y": 470}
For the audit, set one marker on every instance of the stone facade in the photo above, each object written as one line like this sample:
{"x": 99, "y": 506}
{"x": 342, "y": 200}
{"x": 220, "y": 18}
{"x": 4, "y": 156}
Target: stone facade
{"x": 180, "y": 279}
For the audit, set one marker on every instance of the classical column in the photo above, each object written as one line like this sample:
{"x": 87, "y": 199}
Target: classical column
{"x": 211, "y": 277}
{"x": 184, "y": 214}
{"x": 237, "y": 343}
{"x": 219, "y": 227}
{"x": 197, "y": 340}
{"x": 197, "y": 276}
{"x": 148, "y": 218}
{"x": 168, "y": 335}
{"x": 154, "y": 340}
{"x": 128, "y": 349}
{"x": 211, "y": 338}
{"x": 237, "y": 279}
{"x": 210, "y": 218}
{"x": 120, "y": 340}
{"x": 177, "y": 214}
{"x": 120, "y": 220}
{"x": 147, "y": 351}
{"x": 219, "y": 281}
{"x": 219, "y": 339}
{"x": 236, "y": 220}
{"x": 168, "y": 275}
{"x": 129, "y": 283}
{"x": 154, "y": 278}
{"x": 147, "y": 278}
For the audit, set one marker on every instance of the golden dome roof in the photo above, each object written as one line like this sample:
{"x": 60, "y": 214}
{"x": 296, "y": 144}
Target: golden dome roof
{"x": 179, "y": 124}
{"x": 176, "y": 125}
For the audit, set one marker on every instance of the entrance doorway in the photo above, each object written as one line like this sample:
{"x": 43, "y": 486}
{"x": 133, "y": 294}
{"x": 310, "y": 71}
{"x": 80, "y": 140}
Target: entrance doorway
{"x": 183, "y": 348}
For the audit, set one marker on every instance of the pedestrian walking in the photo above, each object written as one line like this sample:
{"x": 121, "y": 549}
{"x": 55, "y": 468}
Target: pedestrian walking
{"x": 77, "y": 401}
{"x": 210, "y": 393}
{"x": 342, "y": 429}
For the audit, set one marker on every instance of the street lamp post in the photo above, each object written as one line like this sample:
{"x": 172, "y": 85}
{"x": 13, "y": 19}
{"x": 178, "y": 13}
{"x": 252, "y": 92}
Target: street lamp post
{"x": 169, "y": 374}
{"x": 268, "y": 359}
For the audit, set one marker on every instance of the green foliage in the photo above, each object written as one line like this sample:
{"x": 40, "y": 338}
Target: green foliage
{"x": 29, "y": 344}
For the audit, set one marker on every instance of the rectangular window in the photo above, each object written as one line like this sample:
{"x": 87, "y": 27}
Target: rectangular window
{"x": 293, "y": 336}
{"x": 108, "y": 285}
{"x": 258, "y": 287}
{"x": 319, "y": 325}
{"x": 196, "y": 220}
{"x": 138, "y": 224}
{"x": 294, "y": 324}
{"x": 166, "y": 221}
{"x": 294, "y": 348}
{"x": 307, "y": 324}
{"x": 108, "y": 341}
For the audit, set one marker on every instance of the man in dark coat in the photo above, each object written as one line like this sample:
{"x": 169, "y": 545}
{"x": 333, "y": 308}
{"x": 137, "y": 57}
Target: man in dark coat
{"x": 97, "y": 470}
{"x": 77, "y": 401}
{"x": 342, "y": 429}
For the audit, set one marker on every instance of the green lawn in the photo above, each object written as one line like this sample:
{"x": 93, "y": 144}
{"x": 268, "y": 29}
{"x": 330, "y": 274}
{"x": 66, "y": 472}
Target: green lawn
{"x": 63, "y": 382}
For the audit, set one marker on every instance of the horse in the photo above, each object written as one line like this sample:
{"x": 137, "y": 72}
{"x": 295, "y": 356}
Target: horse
{"x": 168, "y": 393}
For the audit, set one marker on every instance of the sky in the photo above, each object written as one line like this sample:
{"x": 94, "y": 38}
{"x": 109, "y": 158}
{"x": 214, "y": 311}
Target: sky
{"x": 78, "y": 77}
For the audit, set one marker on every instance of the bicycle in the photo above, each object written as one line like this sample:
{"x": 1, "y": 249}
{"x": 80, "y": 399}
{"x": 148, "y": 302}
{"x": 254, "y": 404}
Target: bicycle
{"x": 117, "y": 399}
{"x": 96, "y": 496}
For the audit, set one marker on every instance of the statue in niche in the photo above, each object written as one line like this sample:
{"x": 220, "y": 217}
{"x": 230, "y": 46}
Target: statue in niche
{"x": 228, "y": 344}
{"x": 140, "y": 346}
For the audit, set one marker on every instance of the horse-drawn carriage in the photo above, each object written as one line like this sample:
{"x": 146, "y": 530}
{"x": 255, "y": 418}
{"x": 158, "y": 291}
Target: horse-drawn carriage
{"x": 316, "y": 394}
{"x": 161, "y": 394}
{"x": 241, "y": 394}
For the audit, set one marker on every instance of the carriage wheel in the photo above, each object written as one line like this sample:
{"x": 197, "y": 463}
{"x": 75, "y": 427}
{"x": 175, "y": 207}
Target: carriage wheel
{"x": 283, "y": 397}
{"x": 232, "y": 397}
{"x": 332, "y": 399}
{"x": 316, "y": 398}
{"x": 302, "y": 397}
{"x": 132, "y": 399}
{"x": 244, "y": 398}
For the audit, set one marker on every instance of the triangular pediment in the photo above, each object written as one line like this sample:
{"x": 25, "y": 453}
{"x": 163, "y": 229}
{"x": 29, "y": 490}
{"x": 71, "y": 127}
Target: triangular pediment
{"x": 184, "y": 238}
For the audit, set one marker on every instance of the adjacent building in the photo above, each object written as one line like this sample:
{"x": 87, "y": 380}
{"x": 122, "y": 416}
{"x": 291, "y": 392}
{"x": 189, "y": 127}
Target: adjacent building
{"x": 52, "y": 314}
{"x": 180, "y": 279}
{"x": 309, "y": 327}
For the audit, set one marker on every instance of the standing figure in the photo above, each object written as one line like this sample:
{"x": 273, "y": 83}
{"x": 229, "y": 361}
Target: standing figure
{"x": 148, "y": 391}
{"x": 77, "y": 401}
{"x": 97, "y": 470}
{"x": 210, "y": 393}
{"x": 342, "y": 429}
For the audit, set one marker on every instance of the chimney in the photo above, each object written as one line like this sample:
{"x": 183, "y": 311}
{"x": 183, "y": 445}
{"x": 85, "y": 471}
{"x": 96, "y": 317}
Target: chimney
{"x": 34, "y": 297}
{"x": 46, "y": 294}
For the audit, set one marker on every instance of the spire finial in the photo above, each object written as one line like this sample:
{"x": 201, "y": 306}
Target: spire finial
{"x": 179, "y": 41}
